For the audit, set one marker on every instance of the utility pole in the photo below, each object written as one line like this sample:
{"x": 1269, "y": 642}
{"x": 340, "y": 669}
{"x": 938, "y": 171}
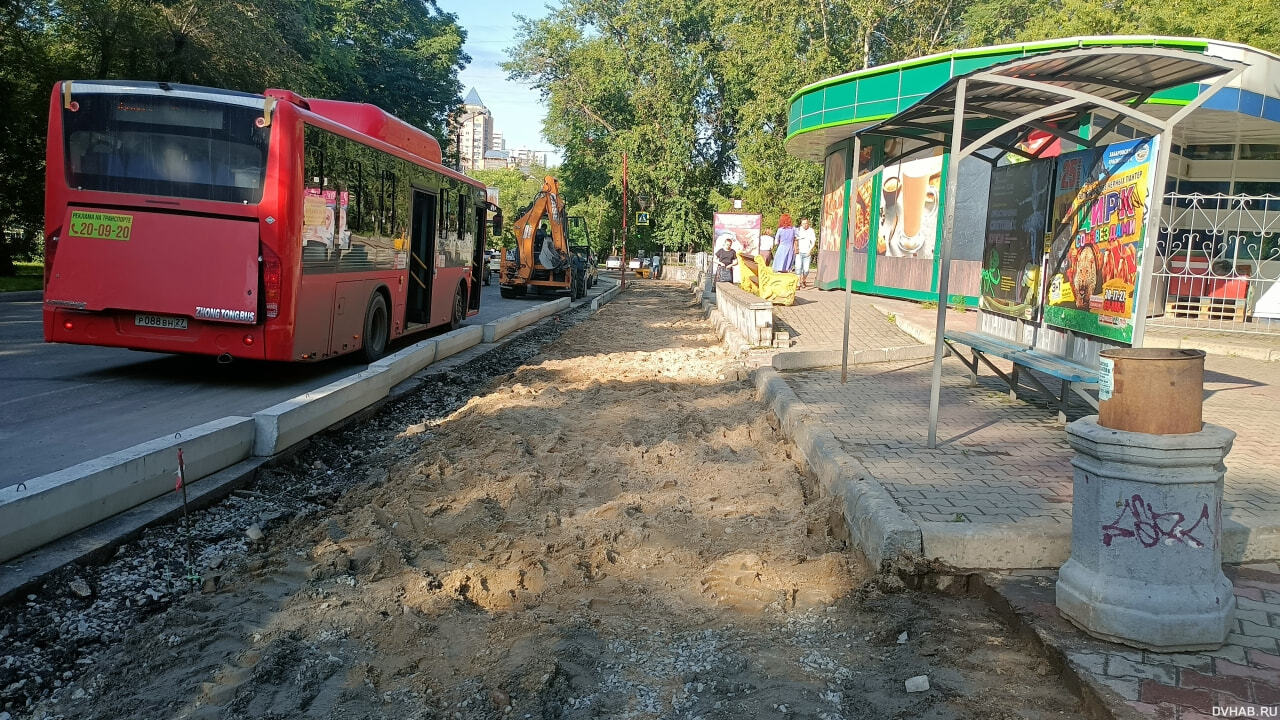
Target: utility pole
{"x": 622, "y": 271}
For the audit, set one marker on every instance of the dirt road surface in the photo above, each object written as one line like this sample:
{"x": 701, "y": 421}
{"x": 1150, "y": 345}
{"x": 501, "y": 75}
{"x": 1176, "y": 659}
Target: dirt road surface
{"x": 615, "y": 529}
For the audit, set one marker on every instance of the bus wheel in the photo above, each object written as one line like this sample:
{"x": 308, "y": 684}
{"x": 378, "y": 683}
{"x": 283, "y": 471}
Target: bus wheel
{"x": 507, "y": 292}
{"x": 376, "y": 329}
{"x": 459, "y": 309}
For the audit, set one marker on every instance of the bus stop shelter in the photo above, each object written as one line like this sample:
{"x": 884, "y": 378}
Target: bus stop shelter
{"x": 1062, "y": 94}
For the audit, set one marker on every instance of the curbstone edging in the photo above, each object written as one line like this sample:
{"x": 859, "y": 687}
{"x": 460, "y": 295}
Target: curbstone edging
{"x": 59, "y": 503}
{"x": 455, "y": 341}
{"x": 876, "y": 524}
{"x": 296, "y": 419}
{"x": 504, "y": 326}
{"x": 1026, "y": 544}
{"x": 604, "y": 297}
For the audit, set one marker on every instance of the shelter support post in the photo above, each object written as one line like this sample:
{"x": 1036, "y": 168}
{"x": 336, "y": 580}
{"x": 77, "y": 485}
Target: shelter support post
{"x": 848, "y": 277}
{"x": 949, "y": 223}
{"x": 1150, "y": 246}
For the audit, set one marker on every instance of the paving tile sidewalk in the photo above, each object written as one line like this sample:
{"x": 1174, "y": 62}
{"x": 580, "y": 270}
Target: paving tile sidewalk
{"x": 1242, "y": 679}
{"x": 996, "y": 492}
{"x": 817, "y": 319}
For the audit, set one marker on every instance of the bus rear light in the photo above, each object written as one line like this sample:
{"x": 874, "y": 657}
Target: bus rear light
{"x": 69, "y": 325}
{"x": 272, "y": 280}
{"x": 248, "y": 340}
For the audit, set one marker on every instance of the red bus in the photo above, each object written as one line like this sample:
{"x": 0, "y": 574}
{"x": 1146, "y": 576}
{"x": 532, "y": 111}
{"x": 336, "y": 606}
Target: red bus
{"x": 194, "y": 220}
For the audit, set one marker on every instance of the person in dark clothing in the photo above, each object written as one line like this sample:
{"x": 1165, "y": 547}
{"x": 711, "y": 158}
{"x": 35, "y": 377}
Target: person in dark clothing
{"x": 726, "y": 258}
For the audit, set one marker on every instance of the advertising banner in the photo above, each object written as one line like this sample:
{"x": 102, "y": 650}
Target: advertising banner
{"x": 1017, "y": 219}
{"x": 832, "y": 218}
{"x": 1099, "y": 210}
{"x": 744, "y": 228}
{"x": 324, "y": 218}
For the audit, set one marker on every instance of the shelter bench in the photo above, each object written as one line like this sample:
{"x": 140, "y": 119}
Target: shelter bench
{"x": 1072, "y": 374}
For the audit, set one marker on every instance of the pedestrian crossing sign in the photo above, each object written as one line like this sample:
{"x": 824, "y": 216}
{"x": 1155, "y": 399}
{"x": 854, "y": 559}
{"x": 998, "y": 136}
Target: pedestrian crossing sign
{"x": 642, "y": 218}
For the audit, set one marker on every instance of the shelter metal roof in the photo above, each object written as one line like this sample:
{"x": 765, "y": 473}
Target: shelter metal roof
{"x": 1054, "y": 92}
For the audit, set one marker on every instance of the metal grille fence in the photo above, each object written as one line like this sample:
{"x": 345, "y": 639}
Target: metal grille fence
{"x": 1218, "y": 264}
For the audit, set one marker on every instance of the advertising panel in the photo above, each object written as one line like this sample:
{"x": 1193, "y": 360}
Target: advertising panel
{"x": 324, "y": 218}
{"x": 744, "y": 228}
{"x": 1017, "y": 219}
{"x": 1099, "y": 208}
{"x": 908, "y": 232}
{"x": 832, "y": 218}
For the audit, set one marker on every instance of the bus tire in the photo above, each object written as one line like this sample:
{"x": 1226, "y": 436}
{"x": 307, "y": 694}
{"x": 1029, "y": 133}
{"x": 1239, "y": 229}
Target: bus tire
{"x": 507, "y": 292}
{"x": 459, "y": 307}
{"x": 377, "y": 329}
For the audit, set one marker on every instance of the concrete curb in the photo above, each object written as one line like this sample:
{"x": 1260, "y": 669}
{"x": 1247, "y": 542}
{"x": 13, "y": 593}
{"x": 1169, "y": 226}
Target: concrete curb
{"x": 1029, "y": 544}
{"x": 811, "y": 359}
{"x": 506, "y": 325}
{"x": 98, "y": 539}
{"x": 298, "y": 418}
{"x": 48, "y": 507}
{"x": 877, "y": 526}
{"x": 402, "y": 365}
{"x": 455, "y": 341}
{"x": 604, "y": 297}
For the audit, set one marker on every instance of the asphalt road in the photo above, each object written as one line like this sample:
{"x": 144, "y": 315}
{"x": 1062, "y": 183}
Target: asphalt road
{"x": 64, "y": 404}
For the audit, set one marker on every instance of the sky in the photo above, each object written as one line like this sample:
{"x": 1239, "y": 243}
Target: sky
{"x": 517, "y": 108}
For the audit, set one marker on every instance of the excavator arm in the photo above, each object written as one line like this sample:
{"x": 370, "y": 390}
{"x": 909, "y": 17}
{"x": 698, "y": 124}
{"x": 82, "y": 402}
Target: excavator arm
{"x": 548, "y": 207}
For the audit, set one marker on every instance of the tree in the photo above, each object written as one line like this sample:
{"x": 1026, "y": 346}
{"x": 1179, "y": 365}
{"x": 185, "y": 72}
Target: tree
{"x": 403, "y": 55}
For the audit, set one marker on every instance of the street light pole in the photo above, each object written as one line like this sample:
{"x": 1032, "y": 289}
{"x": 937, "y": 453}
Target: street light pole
{"x": 622, "y": 271}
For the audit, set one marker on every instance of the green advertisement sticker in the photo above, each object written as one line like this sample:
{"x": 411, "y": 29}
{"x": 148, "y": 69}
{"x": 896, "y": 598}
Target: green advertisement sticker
{"x": 100, "y": 226}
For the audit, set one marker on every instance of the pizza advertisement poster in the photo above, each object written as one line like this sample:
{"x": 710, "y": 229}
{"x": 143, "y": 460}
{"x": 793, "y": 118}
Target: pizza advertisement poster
{"x": 863, "y": 193}
{"x": 1017, "y": 217}
{"x": 1100, "y": 212}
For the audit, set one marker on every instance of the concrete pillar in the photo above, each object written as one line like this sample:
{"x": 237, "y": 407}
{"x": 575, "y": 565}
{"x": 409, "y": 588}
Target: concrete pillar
{"x": 1146, "y": 538}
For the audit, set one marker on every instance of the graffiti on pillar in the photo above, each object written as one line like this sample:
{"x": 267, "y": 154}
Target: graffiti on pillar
{"x": 1138, "y": 520}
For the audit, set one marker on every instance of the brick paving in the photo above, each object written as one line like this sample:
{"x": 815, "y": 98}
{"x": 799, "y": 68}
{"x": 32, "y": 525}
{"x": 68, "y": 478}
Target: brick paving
{"x": 1242, "y": 679}
{"x": 1006, "y": 462}
{"x": 817, "y": 319}
{"x": 1002, "y": 460}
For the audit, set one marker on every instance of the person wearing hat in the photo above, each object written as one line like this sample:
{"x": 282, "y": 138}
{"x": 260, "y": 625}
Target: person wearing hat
{"x": 784, "y": 245}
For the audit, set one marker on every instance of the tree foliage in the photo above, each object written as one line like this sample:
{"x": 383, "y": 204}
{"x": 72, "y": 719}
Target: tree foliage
{"x": 696, "y": 92}
{"x": 403, "y": 55}
{"x": 1251, "y": 23}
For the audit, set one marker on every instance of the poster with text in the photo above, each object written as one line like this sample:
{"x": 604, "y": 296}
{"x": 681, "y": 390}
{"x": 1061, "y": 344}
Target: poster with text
{"x": 832, "y": 218}
{"x": 1099, "y": 210}
{"x": 1017, "y": 218}
{"x": 743, "y": 227}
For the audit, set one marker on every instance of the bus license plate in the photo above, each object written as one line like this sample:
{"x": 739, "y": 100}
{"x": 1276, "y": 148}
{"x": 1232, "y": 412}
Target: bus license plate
{"x": 160, "y": 321}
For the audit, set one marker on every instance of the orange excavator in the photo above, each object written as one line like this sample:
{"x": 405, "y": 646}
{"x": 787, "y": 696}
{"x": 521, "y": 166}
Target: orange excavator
{"x": 541, "y": 258}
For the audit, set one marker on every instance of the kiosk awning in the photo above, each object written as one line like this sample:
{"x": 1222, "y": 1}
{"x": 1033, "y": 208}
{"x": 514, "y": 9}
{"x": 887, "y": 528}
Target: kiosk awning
{"x": 1053, "y": 93}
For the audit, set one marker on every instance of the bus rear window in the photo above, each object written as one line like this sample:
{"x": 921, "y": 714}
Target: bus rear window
{"x": 200, "y": 149}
